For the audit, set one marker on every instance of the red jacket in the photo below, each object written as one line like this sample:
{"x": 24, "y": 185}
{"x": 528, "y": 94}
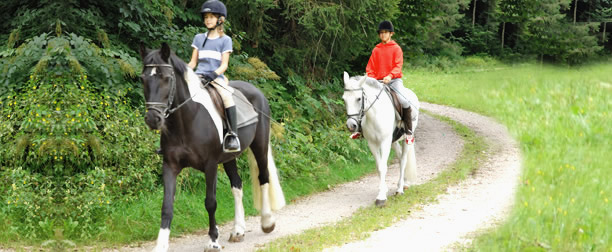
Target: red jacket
{"x": 386, "y": 59}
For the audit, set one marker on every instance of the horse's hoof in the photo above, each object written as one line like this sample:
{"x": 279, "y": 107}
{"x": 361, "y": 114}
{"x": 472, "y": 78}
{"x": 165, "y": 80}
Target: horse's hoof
{"x": 380, "y": 203}
{"x": 236, "y": 237}
{"x": 268, "y": 229}
{"x": 213, "y": 247}
{"x": 399, "y": 193}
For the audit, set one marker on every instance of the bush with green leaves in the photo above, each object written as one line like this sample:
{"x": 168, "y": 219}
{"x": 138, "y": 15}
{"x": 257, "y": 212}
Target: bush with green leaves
{"x": 71, "y": 147}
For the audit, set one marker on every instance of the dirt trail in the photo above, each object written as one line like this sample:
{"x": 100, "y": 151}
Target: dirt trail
{"x": 474, "y": 205}
{"x": 437, "y": 146}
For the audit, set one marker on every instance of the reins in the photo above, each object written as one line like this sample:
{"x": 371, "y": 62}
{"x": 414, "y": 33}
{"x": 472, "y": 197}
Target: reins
{"x": 166, "y": 108}
{"x": 362, "y": 111}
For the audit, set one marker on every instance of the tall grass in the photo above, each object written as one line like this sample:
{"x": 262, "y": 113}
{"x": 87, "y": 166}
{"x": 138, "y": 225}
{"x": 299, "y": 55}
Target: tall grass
{"x": 561, "y": 116}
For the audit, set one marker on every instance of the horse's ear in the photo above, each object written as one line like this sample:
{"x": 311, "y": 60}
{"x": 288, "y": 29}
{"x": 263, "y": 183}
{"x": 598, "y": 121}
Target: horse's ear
{"x": 346, "y": 77}
{"x": 362, "y": 81}
{"x": 165, "y": 52}
{"x": 143, "y": 51}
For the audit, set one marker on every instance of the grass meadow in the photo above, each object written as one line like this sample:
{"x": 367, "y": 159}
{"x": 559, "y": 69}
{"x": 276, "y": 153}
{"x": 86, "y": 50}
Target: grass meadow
{"x": 561, "y": 117}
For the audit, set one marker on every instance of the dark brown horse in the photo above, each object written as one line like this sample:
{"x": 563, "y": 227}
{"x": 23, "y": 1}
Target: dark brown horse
{"x": 189, "y": 138}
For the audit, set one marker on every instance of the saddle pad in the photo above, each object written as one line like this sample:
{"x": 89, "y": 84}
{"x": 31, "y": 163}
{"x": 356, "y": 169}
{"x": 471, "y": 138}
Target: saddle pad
{"x": 245, "y": 114}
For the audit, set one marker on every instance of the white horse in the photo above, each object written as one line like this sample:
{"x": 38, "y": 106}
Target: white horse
{"x": 371, "y": 109}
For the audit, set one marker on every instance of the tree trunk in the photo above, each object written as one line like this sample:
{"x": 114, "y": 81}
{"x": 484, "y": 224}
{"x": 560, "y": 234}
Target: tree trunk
{"x": 474, "y": 14}
{"x": 603, "y": 34}
{"x": 503, "y": 34}
{"x": 575, "y": 8}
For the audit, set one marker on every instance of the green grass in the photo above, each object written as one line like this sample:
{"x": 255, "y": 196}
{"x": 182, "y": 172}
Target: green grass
{"x": 561, "y": 117}
{"x": 368, "y": 219}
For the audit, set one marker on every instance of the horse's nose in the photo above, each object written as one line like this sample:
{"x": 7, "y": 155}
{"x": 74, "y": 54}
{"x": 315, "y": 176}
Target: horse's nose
{"x": 351, "y": 125}
{"x": 152, "y": 120}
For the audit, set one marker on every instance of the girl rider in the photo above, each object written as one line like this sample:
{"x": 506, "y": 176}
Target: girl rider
{"x": 211, "y": 52}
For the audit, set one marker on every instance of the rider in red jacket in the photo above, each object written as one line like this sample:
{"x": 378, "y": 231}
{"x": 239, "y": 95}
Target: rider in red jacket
{"x": 385, "y": 64}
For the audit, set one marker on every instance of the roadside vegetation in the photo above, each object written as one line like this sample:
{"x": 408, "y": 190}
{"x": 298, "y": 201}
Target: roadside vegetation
{"x": 561, "y": 117}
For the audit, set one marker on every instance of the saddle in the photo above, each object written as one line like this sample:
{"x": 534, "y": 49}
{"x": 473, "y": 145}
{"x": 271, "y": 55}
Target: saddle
{"x": 399, "y": 112}
{"x": 245, "y": 113}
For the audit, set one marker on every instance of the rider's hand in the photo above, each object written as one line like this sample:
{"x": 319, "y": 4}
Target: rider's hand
{"x": 387, "y": 79}
{"x": 210, "y": 76}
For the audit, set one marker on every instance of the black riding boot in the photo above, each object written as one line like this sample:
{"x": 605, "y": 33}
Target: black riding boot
{"x": 407, "y": 118}
{"x": 231, "y": 143}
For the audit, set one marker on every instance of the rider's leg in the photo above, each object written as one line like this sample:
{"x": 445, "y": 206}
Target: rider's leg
{"x": 231, "y": 143}
{"x": 398, "y": 86}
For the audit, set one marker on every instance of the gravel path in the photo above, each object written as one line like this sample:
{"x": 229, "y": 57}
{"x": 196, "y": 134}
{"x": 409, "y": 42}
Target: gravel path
{"x": 474, "y": 205}
{"x": 437, "y": 146}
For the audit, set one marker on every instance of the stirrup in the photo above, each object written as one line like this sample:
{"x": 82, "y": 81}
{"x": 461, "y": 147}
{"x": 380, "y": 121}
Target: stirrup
{"x": 225, "y": 142}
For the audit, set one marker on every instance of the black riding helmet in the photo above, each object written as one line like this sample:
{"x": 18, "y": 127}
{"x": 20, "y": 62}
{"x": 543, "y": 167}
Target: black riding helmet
{"x": 215, "y": 7}
{"x": 385, "y": 25}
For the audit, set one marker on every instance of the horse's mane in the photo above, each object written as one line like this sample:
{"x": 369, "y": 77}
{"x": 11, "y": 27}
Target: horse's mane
{"x": 154, "y": 57}
{"x": 373, "y": 83}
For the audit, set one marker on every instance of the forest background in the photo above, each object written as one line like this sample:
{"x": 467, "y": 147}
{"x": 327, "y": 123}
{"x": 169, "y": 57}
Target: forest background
{"x": 75, "y": 151}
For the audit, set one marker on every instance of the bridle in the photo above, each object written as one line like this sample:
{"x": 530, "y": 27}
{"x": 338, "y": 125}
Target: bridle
{"x": 165, "y": 108}
{"x": 358, "y": 117}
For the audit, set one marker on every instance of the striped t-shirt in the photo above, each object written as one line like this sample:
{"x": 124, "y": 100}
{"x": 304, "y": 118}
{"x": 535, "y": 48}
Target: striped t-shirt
{"x": 209, "y": 57}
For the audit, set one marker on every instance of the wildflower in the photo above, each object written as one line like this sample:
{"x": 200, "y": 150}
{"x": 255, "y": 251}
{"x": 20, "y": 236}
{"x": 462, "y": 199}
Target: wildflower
{"x": 82, "y": 87}
{"x": 57, "y": 109}
{"x": 525, "y": 203}
{"x": 14, "y": 186}
{"x": 34, "y": 87}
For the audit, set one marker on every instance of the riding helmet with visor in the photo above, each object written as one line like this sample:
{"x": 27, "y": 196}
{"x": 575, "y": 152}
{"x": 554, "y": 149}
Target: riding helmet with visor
{"x": 385, "y": 26}
{"x": 215, "y": 7}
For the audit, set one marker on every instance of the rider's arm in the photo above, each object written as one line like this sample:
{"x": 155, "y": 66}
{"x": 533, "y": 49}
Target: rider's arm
{"x": 398, "y": 62}
{"x": 194, "y": 59}
{"x": 224, "y": 63}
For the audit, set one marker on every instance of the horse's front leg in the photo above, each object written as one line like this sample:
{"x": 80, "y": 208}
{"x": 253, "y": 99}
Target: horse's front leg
{"x": 211, "y": 207}
{"x": 380, "y": 151}
{"x": 169, "y": 175}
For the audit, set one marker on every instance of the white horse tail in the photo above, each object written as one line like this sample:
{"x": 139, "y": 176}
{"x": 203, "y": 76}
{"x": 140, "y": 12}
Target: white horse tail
{"x": 411, "y": 169}
{"x": 275, "y": 193}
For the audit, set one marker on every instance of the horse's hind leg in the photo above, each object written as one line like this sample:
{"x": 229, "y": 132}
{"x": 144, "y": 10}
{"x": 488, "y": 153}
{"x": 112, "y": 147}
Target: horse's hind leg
{"x": 259, "y": 153}
{"x": 169, "y": 176}
{"x": 211, "y": 206}
{"x": 403, "y": 155}
{"x": 231, "y": 170}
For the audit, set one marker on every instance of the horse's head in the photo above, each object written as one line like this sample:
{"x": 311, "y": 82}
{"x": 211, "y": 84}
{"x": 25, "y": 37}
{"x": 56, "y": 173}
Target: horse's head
{"x": 354, "y": 101}
{"x": 159, "y": 84}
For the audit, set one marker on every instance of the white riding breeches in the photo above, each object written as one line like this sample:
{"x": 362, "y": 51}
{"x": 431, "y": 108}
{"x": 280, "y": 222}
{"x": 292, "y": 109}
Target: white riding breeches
{"x": 225, "y": 91}
{"x": 404, "y": 94}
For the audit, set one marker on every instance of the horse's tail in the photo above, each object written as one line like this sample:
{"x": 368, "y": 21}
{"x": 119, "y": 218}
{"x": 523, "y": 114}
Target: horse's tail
{"x": 411, "y": 167}
{"x": 276, "y": 196}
